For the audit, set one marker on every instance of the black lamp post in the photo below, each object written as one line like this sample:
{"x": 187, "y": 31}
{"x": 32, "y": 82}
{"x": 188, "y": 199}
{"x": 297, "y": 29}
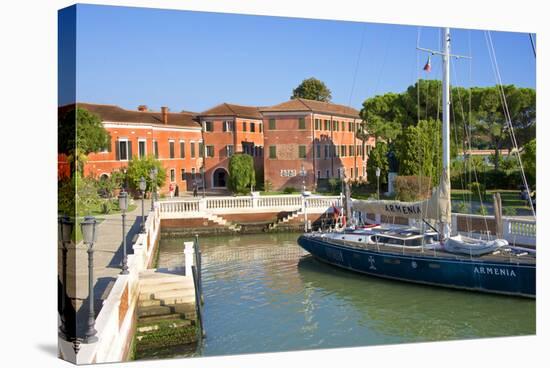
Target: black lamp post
{"x": 153, "y": 176}
{"x": 142, "y": 186}
{"x": 65, "y": 231}
{"x": 89, "y": 236}
{"x": 123, "y": 205}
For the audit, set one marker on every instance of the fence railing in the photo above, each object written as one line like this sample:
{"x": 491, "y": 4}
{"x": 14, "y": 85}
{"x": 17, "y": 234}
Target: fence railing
{"x": 181, "y": 208}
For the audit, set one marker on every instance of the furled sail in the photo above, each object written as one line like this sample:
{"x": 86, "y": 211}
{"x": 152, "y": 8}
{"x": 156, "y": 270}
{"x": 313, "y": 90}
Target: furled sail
{"x": 437, "y": 207}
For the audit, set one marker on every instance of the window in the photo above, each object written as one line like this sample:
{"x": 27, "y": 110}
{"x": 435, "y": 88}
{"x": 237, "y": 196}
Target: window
{"x": 156, "y": 148}
{"x": 326, "y": 151}
{"x": 339, "y": 174}
{"x": 252, "y": 127}
{"x": 142, "y": 152}
{"x": 318, "y": 174}
{"x": 301, "y": 123}
{"x": 317, "y": 124}
{"x": 343, "y": 149}
{"x": 228, "y": 126}
{"x": 208, "y": 126}
{"x": 182, "y": 174}
{"x": 318, "y": 151}
{"x": 327, "y": 124}
{"x": 260, "y": 127}
{"x": 352, "y": 150}
{"x": 172, "y": 149}
{"x": 272, "y": 151}
{"x": 182, "y": 149}
{"x": 350, "y": 126}
{"x": 192, "y": 149}
{"x": 201, "y": 149}
{"x": 172, "y": 175}
{"x": 123, "y": 151}
{"x": 272, "y": 125}
{"x": 328, "y": 174}
{"x": 356, "y": 172}
{"x": 210, "y": 150}
{"x": 244, "y": 126}
{"x": 302, "y": 151}
{"x": 229, "y": 149}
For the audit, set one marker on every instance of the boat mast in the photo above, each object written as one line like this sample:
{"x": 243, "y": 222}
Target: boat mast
{"x": 446, "y": 53}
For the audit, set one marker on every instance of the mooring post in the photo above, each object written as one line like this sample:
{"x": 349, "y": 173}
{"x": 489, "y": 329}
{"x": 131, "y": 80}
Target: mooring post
{"x": 189, "y": 255}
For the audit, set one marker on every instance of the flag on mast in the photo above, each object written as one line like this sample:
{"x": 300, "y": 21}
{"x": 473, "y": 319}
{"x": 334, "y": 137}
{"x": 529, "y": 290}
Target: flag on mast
{"x": 428, "y": 66}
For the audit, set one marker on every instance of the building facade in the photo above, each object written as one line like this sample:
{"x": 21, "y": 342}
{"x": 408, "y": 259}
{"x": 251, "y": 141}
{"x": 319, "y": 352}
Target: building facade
{"x": 294, "y": 144}
{"x": 173, "y": 138}
{"x": 307, "y": 141}
{"x": 229, "y": 129}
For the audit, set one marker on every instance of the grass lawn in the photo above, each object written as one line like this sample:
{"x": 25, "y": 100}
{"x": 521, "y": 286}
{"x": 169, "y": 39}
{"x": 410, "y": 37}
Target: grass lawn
{"x": 510, "y": 198}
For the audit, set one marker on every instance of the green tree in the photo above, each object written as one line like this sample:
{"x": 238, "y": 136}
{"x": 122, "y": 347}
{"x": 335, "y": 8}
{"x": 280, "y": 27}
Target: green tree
{"x": 241, "y": 173}
{"x": 383, "y": 115}
{"x": 80, "y": 133}
{"x": 141, "y": 167}
{"x": 312, "y": 89}
{"x": 419, "y": 149}
{"x": 378, "y": 158}
{"x": 529, "y": 158}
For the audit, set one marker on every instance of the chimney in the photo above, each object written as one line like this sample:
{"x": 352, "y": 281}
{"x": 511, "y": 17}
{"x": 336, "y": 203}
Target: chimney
{"x": 164, "y": 111}
{"x": 142, "y": 108}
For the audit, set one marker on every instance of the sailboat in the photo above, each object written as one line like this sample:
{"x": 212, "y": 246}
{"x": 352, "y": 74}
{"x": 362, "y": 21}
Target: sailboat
{"x": 427, "y": 255}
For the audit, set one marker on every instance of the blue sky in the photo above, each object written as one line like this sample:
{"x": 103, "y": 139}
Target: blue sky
{"x": 193, "y": 60}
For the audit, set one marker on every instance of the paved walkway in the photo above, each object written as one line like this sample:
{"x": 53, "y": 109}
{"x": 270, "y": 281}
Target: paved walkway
{"x": 108, "y": 255}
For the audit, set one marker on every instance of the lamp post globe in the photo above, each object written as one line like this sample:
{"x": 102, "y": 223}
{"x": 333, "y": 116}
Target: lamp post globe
{"x": 89, "y": 237}
{"x": 142, "y": 187}
{"x": 123, "y": 205}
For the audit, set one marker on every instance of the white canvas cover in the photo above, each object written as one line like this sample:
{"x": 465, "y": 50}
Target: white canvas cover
{"x": 437, "y": 207}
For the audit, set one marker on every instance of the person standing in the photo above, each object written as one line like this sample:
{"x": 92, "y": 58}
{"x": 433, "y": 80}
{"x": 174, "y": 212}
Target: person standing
{"x": 171, "y": 189}
{"x": 195, "y": 188}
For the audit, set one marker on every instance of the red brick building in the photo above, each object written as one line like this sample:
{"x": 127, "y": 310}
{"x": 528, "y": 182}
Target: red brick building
{"x": 174, "y": 138}
{"x": 229, "y": 129}
{"x": 319, "y": 137}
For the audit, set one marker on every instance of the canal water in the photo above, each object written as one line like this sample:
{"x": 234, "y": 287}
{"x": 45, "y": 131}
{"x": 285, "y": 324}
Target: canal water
{"x": 263, "y": 293}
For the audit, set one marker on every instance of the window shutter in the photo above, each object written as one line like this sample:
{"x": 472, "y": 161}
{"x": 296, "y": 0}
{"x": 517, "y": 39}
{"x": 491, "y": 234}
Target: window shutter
{"x": 117, "y": 150}
{"x": 129, "y": 149}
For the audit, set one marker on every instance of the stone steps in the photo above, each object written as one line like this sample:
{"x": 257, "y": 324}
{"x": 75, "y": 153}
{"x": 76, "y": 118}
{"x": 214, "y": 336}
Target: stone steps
{"x": 180, "y": 284}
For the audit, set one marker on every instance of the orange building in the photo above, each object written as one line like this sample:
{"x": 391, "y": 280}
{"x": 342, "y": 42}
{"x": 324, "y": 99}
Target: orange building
{"x": 318, "y": 137}
{"x": 174, "y": 138}
{"x": 229, "y": 129}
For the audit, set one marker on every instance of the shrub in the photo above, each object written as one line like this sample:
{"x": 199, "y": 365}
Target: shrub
{"x": 461, "y": 207}
{"x": 241, "y": 173}
{"x": 477, "y": 190}
{"x": 333, "y": 184}
{"x": 412, "y": 188}
{"x": 106, "y": 207}
{"x": 509, "y": 211}
{"x": 141, "y": 167}
{"x": 289, "y": 190}
{"x": 482, "y": 210}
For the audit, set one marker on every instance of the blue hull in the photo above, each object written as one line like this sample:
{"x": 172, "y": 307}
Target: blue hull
{"x": 468, "y": 274}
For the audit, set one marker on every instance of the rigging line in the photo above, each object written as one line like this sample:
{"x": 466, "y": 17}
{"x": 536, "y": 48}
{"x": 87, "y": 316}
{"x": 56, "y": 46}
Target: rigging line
{"x": 357, "y": 63}
{"x": 470, "y": 150}
{"x": 533, "y": 45}
{"x": 382, "y": 67}
{"x": 509, "y": 119}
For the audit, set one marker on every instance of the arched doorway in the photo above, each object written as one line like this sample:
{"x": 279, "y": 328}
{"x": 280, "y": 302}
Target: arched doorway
{"x": 219, "y": 178}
